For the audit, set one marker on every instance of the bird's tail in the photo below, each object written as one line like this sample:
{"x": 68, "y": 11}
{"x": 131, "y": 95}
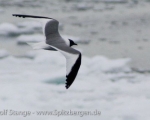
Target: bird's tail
{"x": 38, "y": 45}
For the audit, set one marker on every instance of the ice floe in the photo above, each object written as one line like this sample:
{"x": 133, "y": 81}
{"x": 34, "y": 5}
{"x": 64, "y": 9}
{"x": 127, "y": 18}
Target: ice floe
{"x": 3, "y": 54}
{"x": 9, "y": 29}
{"x": 23, "y": 39}
{"x": 102, "y": 84}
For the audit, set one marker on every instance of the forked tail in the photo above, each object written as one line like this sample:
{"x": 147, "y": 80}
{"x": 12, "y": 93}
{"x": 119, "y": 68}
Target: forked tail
{"x": 38, "y": 45}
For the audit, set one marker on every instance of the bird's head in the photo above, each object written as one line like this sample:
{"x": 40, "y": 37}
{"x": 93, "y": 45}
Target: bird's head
{"x": 72, "y": 42}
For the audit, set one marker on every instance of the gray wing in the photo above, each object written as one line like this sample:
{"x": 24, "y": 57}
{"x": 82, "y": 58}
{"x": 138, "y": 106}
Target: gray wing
{"x": 49, "y": 26}
{"x": 52, "y": 34}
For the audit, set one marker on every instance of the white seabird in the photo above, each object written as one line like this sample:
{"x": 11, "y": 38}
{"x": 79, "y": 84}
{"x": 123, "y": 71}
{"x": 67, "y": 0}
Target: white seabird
{"x": 55, "y": 42}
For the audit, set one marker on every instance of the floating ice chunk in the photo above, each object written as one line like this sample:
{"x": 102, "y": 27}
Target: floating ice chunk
{"x": 30, "y": 54}
{"x": 115, "y": 1}
{"x": 56, "y": 58}
{"x": 1, "y": 10}
{"x": 103, "y": 64}
{"x": 24, "y": 83}
{"x": 8, "y": 29}
{"x": 83, "y": 6}
{"x": 30, "y": 24}
{"x": 23, "y": 39}
{"x": 3, "y": 53}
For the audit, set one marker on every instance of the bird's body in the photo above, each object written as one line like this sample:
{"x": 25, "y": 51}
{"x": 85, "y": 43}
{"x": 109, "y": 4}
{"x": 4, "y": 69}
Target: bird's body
{"x": 55, "y": 42}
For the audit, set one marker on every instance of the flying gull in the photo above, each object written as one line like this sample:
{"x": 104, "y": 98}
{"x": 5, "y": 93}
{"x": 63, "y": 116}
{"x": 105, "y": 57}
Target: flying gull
{"x": 55, "y": 42}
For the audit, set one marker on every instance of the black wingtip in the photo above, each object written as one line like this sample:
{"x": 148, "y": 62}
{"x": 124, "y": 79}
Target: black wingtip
{"x": 73, "y": 73}
{"x": 14, "y": 15}
{"x": 17, "y": 15}
{"x": 29, "y": 16}
{"x": 67, "y": 86}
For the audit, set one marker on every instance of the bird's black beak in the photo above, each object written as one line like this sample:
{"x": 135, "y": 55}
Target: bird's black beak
{"x": 75, "y": 44}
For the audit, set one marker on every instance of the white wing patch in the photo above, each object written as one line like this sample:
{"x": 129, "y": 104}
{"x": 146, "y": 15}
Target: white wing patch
{"x": 70, "y": 59}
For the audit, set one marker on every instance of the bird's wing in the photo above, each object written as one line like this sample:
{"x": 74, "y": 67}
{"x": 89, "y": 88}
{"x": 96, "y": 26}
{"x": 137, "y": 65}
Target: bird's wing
{"x": 73, "y": 62}
{"x": 47, "y": 27}
{"x": 41, "y": 19}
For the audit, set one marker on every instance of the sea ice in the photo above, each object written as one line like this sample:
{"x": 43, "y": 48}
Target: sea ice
{"x": 23, "y": 39}
{"x": 3, "y": 53}
{"x": 8, "y": 29}
{"x": 39, "y": 84}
